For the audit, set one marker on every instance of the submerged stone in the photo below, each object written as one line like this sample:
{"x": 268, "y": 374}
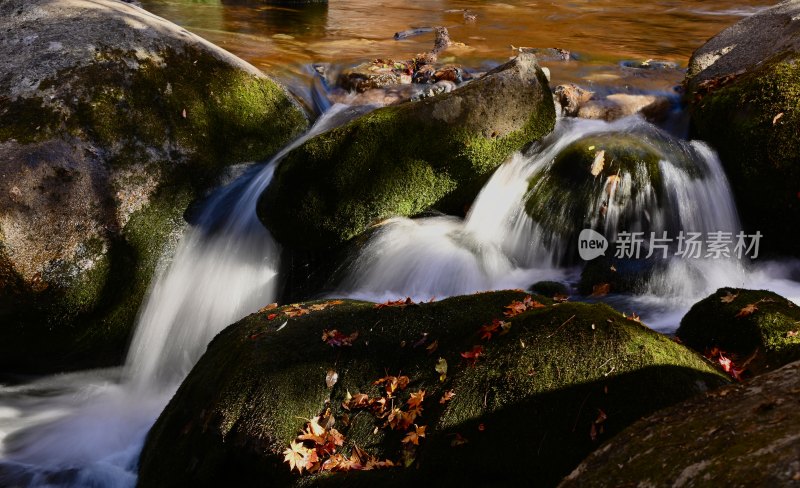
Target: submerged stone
{"x": 402, "y": 160}
{"x": 551, "y": 383}
{"x": 739, "y": 435}
{"x": 758, "y": 327}
{"x": 743, "y": 87}
{"x": 112, "y": 121}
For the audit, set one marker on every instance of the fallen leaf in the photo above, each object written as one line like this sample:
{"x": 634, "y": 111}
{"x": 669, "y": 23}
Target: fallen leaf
{"x": 517, "y": 307}
{"x": 299, "y": 456}
{"x": 432, "y": 347}
{"x": 447, "y": 396}
{"x": 441, "y": 368}
{"x": 414, "y": 436}
{"x": 271, "y": 306}
{"x": 729, "y": 297}
{"x": 295, "y": 311}
{"x": 271, "y": 316}
{"x": 598, "y": 163}
{"x": 403, "y": 302}
{"x": 777, "y": 118}
{"x": 183, "y": 114}
{"x": 458, "y": 440}
{"x": 473, "y": 355}
{"x": 600, "y": 290}
{"x": 749, "y": 309}
{"x": 416, "y": 399}
{"x": 334, "y": 338}
{"x": 331, "y": 378}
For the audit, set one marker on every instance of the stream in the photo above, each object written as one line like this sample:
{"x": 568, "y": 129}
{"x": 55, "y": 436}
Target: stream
{"x": 86, "y": 429}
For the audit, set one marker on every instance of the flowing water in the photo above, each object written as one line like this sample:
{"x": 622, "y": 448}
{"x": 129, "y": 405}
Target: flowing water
{"x": 86, "y": 428}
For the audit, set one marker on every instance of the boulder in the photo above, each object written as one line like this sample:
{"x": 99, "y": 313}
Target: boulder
{"x": 599, "y": 178}
{"x": 742, "y": 86}
{"x": 756, "y": 327}
{"x": 739, "y": 435}
{"x": 402, "y": 160}
{"x": 529, "y": 403}
{"x": 111, "y": 121}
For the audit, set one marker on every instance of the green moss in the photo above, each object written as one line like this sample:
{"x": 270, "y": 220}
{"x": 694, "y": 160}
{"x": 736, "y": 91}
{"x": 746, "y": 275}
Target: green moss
{"x": 761, "y": 154}
{"x": 27, "y": 120}
{"x": 537, "y": 390}
{"x": 398, "y": 160}
{"x": 770, "y": 330}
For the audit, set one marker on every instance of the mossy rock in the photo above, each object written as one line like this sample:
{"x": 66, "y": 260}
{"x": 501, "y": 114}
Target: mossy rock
{"x": 621, "y": 275}
{"x": 550, "y": 289}
{"x": 402, "y": 160}
{"x": 739, "y": 435}
{"x": 770, "y": 334}
{"x": 743, "y": 87}
{"x": 536, "y": 392}
{"x": 568, "y": 197}
{"x": 113, "y": 120}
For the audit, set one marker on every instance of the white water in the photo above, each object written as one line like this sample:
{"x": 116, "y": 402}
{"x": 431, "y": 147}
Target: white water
{"x": 87, "y": 429}
{"x": 497, "y": 245}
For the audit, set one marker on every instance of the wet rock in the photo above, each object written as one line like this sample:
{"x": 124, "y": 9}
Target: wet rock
{"x": 546, "y": 53}
{"x": 112, "y": 120}
{"x": 550, "y": 289}
{"x": 593, "y": 179}
{"x": 561, "y": 379}
{"x": 579, "y": 102}
{"x": 742, "y": 88}
{"x": 404, "y": 159}
{"x": 608, "y": 274}
{"x": 571, "y": 97}
{"x": 650, "y": 64}
{"x": 756, "y": 327}
{"x": 742, "y": 435}
{"x": 654, "y": 108}
{"x": 376, "y": 74}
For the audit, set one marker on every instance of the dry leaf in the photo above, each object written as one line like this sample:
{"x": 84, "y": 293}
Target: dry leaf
{"x": 729, "y": 297}
{"x": 414, "y": 436}
{"x": 747, "y": 310}
{"x": 777, "y": 118}
{"x": 447, "y": 396}
{"x": 331, "y": 378}
{"x": 600, "y": 290}
{"x": 599, "y": 162}
{"x": 441, "y": 368}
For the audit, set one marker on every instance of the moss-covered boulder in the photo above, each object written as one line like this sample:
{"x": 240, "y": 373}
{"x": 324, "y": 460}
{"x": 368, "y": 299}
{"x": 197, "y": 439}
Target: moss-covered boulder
{"x": 744, "y": 92}
{"x": 599, "y": 178}
{"x": 756, "y": 327}
{"x": 402, "y": 160}
{"x": 111, "y": 121}
{"x": 551, "y": 383}
{"x": 742, "y": 435}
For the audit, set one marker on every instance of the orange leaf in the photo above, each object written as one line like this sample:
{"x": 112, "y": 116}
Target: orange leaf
{"x": 600, "y": 290}
{"x": 747, "y": 310}
{"x": 447, "y": 396}
{"x": 414, "y": 436}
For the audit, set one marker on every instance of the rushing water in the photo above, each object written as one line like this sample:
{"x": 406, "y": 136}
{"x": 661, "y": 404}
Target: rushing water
{"x": 86, "y": 428}
{"x": 498, "y": 245}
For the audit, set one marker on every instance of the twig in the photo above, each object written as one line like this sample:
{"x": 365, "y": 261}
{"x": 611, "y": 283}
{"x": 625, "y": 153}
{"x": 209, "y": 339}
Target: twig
{"x": 559, "y": 327}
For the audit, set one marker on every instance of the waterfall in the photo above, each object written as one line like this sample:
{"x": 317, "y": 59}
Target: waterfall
{"x": 499, "y": 245}
{"x": 86, "y": 429}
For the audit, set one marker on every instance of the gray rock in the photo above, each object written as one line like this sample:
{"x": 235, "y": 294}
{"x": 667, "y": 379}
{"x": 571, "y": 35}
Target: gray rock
{"x": 741, "y": 435}
{"x": 111, "y": 121}
{"x": 742, "y": 88}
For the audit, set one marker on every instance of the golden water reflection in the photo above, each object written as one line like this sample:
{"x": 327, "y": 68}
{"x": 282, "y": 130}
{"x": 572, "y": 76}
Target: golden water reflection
{"x": 601, "y": 33}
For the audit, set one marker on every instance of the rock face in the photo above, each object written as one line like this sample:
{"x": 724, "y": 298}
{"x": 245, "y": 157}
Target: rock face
{"x": 754, "y": 326}
{"x": 549, "y": 381}
{"x": 742, "y": 435}
{"x": 111, "y": 121}
{"x": 404, "y": 159}
{"x": 742, "y": 87}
